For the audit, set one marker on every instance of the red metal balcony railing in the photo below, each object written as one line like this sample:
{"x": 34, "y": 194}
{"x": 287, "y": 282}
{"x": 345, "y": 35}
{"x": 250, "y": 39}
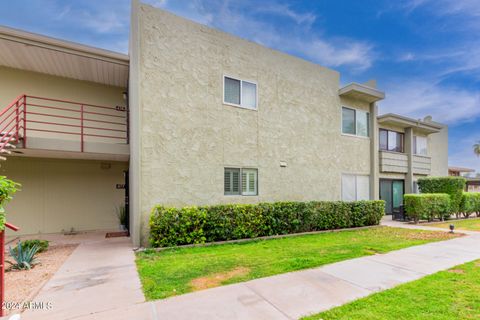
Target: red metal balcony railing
{"x": 32, "y": 115}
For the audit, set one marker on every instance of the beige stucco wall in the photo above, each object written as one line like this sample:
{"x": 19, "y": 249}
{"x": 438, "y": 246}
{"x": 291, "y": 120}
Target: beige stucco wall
{"x": 438, "y": 151}
{"x": 59, "y": 194}
{"x": 14, "y": 82}
{"x": 187, "y": 135}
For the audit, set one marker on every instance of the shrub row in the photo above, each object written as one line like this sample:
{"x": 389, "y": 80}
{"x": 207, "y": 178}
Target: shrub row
{"x": 453, "y": 186}
{"x": 193, "y": 225}
{"x": 427, "y": 206}
{"x": 470, "y": 204}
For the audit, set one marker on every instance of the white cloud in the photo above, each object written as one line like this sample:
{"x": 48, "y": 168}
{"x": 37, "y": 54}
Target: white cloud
{"x": 462, "y": 152}
{"x": 419, "y": 98}
{"x": 295, "y": 35}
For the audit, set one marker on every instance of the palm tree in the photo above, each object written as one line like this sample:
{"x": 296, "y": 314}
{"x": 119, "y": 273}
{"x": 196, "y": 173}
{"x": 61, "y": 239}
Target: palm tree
{"x": 476, "y": 148}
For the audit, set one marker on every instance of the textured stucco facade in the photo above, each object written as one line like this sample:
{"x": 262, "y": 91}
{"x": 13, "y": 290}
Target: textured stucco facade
{"x": 188, "y": 136}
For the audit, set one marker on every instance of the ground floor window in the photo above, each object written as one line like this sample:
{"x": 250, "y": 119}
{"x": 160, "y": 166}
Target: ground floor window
{"x": 241, "y": 181}
{"x": 355, "y": 187}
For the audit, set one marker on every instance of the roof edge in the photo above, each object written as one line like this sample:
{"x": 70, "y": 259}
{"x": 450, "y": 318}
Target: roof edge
{"x": 47, "y": 42}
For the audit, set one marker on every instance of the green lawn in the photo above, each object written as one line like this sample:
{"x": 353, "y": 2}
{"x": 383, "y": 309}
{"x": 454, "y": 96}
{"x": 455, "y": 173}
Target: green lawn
{"x": 177, "y": 271}
{"x": 466, "y": 224}
{"x": 447, "y": 295}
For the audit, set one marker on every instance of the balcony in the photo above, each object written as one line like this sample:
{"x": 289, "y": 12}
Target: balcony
{"x": 422, "y": 165}
{"x": 393, "y": 162}
{"x": 46, "y": 127}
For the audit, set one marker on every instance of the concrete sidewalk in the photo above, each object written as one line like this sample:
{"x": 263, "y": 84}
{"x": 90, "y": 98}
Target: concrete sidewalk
{"x": 296, "y": 294}
{"x": 99, "y": 276}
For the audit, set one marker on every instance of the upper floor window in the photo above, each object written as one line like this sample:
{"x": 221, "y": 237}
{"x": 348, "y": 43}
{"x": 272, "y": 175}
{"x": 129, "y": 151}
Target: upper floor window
{"x": 240, "y": 93}
{"x": 355, "y": 122}
{"x": 420, "y": 145}
{"x": 240, "y": 181}
{"x": 391, "y": 140}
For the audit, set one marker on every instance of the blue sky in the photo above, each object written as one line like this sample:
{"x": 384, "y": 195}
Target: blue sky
{"x": 425, "y": 54}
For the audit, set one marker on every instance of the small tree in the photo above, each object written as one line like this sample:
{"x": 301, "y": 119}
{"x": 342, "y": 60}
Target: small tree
{"x": 7, "y": 190}
{"x": 476, "y": 149}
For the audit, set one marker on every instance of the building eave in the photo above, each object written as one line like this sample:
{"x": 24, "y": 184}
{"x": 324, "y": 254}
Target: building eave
{"x": 361, "y": 92}
{"x": 406, "y": 122}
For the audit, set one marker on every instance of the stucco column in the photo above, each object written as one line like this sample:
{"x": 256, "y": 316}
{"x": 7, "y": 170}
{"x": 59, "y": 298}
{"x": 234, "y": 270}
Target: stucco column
{"x": 374, "y": 162}
{"x": 409, "y": 151}
{"x": 134, "y": 105}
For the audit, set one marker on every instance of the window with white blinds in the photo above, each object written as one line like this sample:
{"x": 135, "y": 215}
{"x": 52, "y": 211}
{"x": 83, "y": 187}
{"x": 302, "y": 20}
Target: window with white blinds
{"x": 420, "y": 145}
{"x": 232, "y": 181}
{"x": 355, "y": 187}
{"x": 240, "y": 93}
{"x": 239, "y": 181}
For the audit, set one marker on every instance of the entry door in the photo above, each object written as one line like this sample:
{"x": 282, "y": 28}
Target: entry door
{"x": 391, "y": 191}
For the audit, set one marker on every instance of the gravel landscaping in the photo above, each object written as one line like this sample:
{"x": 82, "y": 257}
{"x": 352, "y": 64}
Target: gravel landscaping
{"x": 23, "y": 285}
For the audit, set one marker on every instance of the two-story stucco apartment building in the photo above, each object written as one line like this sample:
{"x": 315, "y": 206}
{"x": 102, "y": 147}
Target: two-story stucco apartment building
{"x": 192, "y": 116}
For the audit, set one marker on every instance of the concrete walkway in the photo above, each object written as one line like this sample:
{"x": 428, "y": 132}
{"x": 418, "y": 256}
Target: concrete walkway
{"x": 296, "y": 294}
{"x": 99, "y": 276}
{"x": 99, "y": 281}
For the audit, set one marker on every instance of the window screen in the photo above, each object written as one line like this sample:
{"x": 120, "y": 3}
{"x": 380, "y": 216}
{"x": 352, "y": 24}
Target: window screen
{"x": 348, "y": 121}
{"x": 232, "y": 91}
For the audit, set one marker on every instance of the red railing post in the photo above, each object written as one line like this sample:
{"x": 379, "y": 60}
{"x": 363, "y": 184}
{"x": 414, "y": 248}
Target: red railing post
{"x": 24, "y": 121}
{"x": 81, "y": 127}
{"x": 2, "y": 271}
{"x": 17, "y": 125}
{"x": 2, "y": 264}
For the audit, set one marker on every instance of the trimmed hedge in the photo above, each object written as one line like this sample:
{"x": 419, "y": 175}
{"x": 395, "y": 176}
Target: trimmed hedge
{"x": 470, "y": 204}
{"x": 453, "y": 186}
{"x": 193, "y": 225}
{"x": 427, "y": 206}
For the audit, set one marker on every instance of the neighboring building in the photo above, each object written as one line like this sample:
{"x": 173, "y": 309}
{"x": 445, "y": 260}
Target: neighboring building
{"x": 459, "y": 171}
{"x": 211, "y": 119}
{"x": 473, "y": 182}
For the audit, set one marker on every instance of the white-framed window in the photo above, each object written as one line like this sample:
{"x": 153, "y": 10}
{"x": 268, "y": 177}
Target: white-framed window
{"x": 355, "y": 187}
{"x": 241, "y": 181}
{"x": 240, "y": 93}
{"x": 355, "y": 122}
{"x": 420, "y": 145}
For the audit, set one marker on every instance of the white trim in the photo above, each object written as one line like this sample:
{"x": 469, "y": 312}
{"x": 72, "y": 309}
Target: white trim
{"x": 241, "y": 91}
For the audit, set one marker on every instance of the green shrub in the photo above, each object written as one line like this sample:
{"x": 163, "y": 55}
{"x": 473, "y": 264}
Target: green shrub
{"x": 453, "y": 186}
{"x": 41, "y": 244}
{"x": 193, "y": 225}
{"x": 24, "y": 258}
{"x": 470, "y": 203}
{"x": 7, "y": 190}
{"x": 427, "y": 206}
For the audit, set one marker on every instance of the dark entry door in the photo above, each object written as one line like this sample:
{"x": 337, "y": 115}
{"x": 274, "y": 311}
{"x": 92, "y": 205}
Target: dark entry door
{"x": 391, "y": 191}
{"x": 127, "y": 206}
